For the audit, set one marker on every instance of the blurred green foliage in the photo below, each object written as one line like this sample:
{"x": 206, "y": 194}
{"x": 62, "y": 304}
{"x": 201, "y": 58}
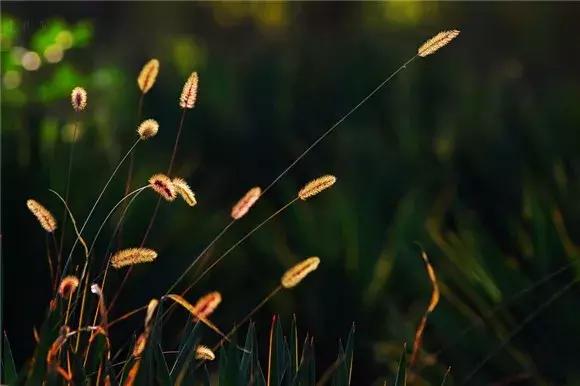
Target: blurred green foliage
{"x": 471, "y": 153}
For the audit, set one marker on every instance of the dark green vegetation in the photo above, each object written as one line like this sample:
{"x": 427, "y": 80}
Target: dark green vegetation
{"x": 473, "y": 153}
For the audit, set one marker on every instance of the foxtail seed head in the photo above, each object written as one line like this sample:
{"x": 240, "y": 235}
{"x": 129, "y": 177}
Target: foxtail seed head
{"x": 316, "y": 186}
{"x": 243, "y": 206}
{"x": 294, "y": 275}
{"x": 204, "y": 353}
{"x": 147, "y": 129}
{"x": 78, "y": 98}
{"x": 164, "y": 186}
{"x": 207, "y": 304}
{"x": 436, "y": 42}
{"x": 183, "y": 189}
{"x": 189, "y": 92}
{"x": 43, "y": 215}
{"x": 68, "y": 286}
{"x": 133, "y": 256}
{"x": 148, "y": 75}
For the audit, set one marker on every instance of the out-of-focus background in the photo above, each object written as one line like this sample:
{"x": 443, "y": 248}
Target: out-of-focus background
{"x": 472, "y": 153}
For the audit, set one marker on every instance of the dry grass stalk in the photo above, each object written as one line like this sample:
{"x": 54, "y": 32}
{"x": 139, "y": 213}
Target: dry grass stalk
{"x": 148, "y": 75}
{"x": 133, "y": 256}
{"x": 68, "y": 286}
{"x": 436, "y": 42}
{"x": 151, "y": 307}
{"x": 164, "y": 186}
{"x": 200, "y": 310}
{"x": 204, "y": 353}
{"x": 43, "y": 215}
{"x": 184, "y": 191}
{"x": 189, "y": 92}
{"x": 78, "y": 98}
{"x": 243, "y": 206}
{"x": 147, "y": 129}
{"x": 435, "y": 295}
{"x": 316, "y": 186}
{"x": 297, "y": 273}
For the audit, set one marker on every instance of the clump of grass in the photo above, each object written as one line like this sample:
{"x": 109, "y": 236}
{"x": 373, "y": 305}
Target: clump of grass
{"x": 89, "y": 358}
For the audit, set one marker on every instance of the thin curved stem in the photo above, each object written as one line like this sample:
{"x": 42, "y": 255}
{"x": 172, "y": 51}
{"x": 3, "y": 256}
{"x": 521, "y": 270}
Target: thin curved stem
{"x": 240, "y": 241}
{"x": 97, "y": 201}
{"x": 342, "y": 119}
{"x": 201, "y": 254}
{"x": 66, "y": 194}
{"x": 134, "y": 193}
{"x": 555, "y": 296}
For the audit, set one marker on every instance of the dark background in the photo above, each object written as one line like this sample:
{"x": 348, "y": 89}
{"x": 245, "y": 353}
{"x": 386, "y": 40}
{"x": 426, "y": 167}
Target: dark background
{"x": 471, "y": 153}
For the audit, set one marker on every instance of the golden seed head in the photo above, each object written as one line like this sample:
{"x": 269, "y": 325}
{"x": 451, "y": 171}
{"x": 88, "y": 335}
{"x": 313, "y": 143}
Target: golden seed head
{"x": 436, "y": 42}
{"x": 147, "y": 76}
{"x": 243, "y": 206}
{"x": 184, "y": 191}
{"x": 68, "y": 286}
{"x": 294, "y": 275}
{"x": 316, "y": 186}
{"x": 164, "y": 186}
{"x": 204, "y": 353}
{"x": 189, "y": 92}
{"x": 148, "y": 128}
{"x": 133, "y": 256}
{"x": 43, "y": 215}
{"x": 78, "y": 98}
{"x": 207, "y": 304}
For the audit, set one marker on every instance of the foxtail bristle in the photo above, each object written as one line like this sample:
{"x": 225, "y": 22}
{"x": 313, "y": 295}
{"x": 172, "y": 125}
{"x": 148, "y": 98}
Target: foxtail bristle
{"x": 204, "y": 353}
{"x": 147, "y": 76}
{"x": 189, "y": 92}
{"x": 68, "y": 286}
{"x": 297, "y": 273}
{"x": 164, "y": 186}
{"x": 436, "y": 42}
{"x": 316, "y": 186}
{"x": 184, "y": 191}
{"x": 243, "y": 206}
{"x": 148, "y": 128}
{"x": 43, "y": 215}
{"x": 78, "y": 98}
{"x": 133, "y": 256}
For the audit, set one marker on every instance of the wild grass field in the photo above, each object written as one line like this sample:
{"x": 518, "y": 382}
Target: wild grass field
{"x": 290, "y": 193}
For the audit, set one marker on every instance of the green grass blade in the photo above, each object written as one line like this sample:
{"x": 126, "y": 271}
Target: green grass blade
{"x": 9, "y": 373}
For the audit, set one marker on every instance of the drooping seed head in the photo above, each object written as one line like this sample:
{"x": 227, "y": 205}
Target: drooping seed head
{"x": 316, "y": 186}
{"x": 78, "y": 98}
{"x": 436, "y": 42}
{"x": 43, "y": 215}
{"x": 164, "y": 186}
{"x": 147, "y": 76}
{"x": 189, "y": 92}
{"x": 148, "y": 128}
{"x": 204, "y": 353}
{"x": 68, "y": 286}
{"x": 243, "y": 206}
{"x": 183, "y": 189}
{"x": 294, "y": 275}
{"x": 133, "y": 256}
